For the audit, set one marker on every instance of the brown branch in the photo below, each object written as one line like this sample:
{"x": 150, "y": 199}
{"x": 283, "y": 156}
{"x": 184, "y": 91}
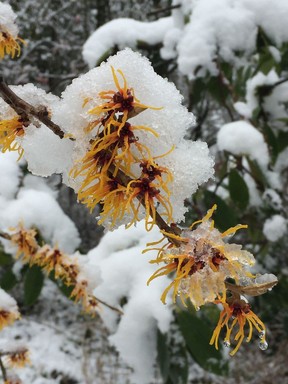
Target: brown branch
{"x": 5, "y": 235}
{"x": 24, "y": 109}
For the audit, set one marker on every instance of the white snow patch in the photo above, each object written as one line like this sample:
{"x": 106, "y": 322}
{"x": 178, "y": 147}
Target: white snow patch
{"x": 275, "y": 227}
{"x": 125, "y": 272}
{"x": 9, "y": 174}
{"x": 123, "y": 32}
{"x": 241, "y": 138}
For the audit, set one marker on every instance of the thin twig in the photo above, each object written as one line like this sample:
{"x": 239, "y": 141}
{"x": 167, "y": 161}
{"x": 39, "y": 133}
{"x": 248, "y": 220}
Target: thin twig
{"x": 24, "y": 109}
{"x": 5, "y": 235}
{"x": 109, "y": 306}
{"x": 161, "y": 10}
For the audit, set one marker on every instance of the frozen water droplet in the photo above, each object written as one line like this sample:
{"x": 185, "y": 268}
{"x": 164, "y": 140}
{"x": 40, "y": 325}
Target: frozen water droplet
{"x": 226, "y": 343}
{"x": 261, "y": 334}
{"x": 263, "y": 345}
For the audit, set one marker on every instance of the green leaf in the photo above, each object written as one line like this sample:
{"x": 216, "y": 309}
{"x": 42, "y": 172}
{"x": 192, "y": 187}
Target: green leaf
{"x": 64, "y": 288}
{"x": 257, "y": 174}
{"x": 272, "y": 141}
{"x": 198, "y": 91}
{"x": 262, "y": 40}
{"x": 5, "y": 259}
{"x": 172, "y": 360}
{"x": 227, "y": 69}
{"x": 163, "y": 356}
{"x": 224, "y": 216}
{"x": 284, "y": 59}
{"x": 178, "y": 373}
{"x": 197, "y": 335}
{"x": 238, "y": 189}
{"x": 33, "y": 284}
{"x": 8, "y": 280}
{"x": 218, "y": 89}
{"x": 267, "y": 63}
{"x": 255, "y": 113}
{"x": 282, "y": 140}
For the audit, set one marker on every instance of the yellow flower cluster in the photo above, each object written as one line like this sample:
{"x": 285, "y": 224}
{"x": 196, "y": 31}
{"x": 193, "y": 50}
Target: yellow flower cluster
{"x": 10, "y": 130}
{"x": 116, "y": 155}
{"x": 13, "y": 380}
{"x": 13, "y": 356}
{"x": 8, "y": 44}
{"x": 52, "y": 259}
{"x": 7, "y": 317}
{"x": 238, "y": 311}
{"x": 16, "y": 358}
{"x": 201, "y": 262}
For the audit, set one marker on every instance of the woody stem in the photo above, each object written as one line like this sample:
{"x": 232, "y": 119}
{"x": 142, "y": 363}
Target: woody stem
{"x": 24, "y": 110}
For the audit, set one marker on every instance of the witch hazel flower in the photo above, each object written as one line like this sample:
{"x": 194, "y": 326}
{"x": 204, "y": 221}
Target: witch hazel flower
{"x": 71, "y": 269}
{"x": 9, "y": 40}
{"x": 10, "y": 131}
{"x": 202, "y": 261}
{"x": 14, "y": 355}
{"x": 8, "y": 309}
{"x": 237, "y": 315}
{"x": 128, "y": 124}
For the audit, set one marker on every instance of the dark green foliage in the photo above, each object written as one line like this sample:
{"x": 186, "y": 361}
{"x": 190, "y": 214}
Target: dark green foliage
{"x": 238, "y": 189}
{"x": 197, "y": 334}
{"x": 172, "y": 359}
{"x": 8, "y": 280}
{"x": 33, "y": 283}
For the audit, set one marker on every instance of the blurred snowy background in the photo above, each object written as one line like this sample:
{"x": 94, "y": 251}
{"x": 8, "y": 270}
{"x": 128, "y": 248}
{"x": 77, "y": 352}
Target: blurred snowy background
{"x": 230, "y": 61}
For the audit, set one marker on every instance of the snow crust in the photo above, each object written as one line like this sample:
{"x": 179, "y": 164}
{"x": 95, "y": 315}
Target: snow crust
{"x": 7, "y": 19}
{"x": 43, "y": 151}
{"x": 9, "y": 175}
{"x": 7, "y": 303}
{"x": 38, "y": 209}
{"x": 33, "y": 203}
{"x": 275, "y": 227}
{"x": 227, "y": 28}
{"x": 241, "y": 138}
{"x": 123, "y": 32}
{"x": 125, "y": 272}
{"x": 273, "y": 103}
